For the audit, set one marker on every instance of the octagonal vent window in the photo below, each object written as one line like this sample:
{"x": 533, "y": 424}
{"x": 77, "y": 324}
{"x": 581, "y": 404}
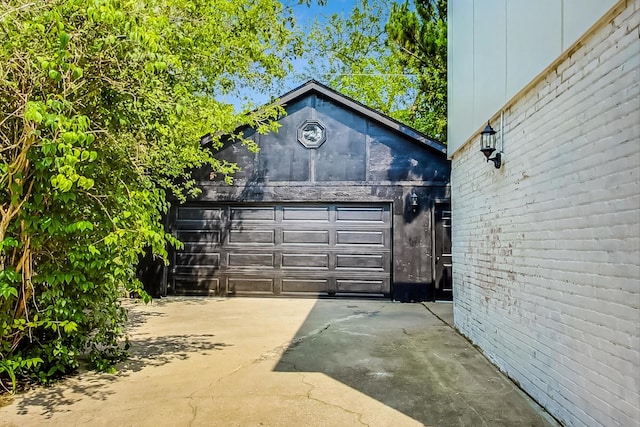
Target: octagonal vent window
{"x": 312, "y": 134}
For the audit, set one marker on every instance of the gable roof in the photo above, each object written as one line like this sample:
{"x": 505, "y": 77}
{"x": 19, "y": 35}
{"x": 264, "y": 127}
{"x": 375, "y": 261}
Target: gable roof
{"x": 313, "y": 86}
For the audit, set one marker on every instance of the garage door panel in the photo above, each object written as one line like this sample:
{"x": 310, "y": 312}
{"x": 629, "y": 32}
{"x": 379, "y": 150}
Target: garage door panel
{"x": 250, "y": 285}
{"x": 201, "y": 224}
{"x": 304, "y": 285}
{"x": 242, "y": 260}
{"x": 200, "y": 247}
{"x": 198, "y": 259}
{"x": 358, "y": 261}
{"x": 305, "y": 237}
{"x": 315, "y": 261}
{"x": 186, "y": 285}
{"x": 199, "y": 277}
{"x": 360, "y": 286}
{"x": 251, "y": 237}
{"x": 253, "y": 214}
{"x": 199, "y": 236}
{"x": 360, "y": 214}
{"x": 305, "y": 214}
{"x": 354, "y": 237}
{"x": 198, "y": 213}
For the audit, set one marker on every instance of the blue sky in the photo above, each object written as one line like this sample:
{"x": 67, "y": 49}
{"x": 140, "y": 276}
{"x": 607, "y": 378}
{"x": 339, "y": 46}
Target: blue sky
{"x": 305, "y": 16}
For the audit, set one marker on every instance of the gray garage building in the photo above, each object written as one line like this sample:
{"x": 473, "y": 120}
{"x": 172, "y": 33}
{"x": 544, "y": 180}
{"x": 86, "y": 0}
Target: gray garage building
{"x": 342, "y": 200}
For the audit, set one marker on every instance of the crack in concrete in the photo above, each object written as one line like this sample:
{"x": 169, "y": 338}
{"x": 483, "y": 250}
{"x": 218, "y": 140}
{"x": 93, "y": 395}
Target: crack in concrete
{"x": 224, "y": 377}
{"x": 438, "y": 317}
{"x": 294, "y": 342}
{"x": 194, "y": 409}
{"x": 348, "y": 411}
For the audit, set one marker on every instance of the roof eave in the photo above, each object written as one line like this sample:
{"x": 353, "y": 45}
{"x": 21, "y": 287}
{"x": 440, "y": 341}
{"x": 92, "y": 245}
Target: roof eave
{"x": 315, "y": 86}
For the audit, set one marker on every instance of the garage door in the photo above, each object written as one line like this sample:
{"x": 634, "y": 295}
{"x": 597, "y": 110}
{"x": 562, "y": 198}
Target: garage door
{"x": 282, "y": 249}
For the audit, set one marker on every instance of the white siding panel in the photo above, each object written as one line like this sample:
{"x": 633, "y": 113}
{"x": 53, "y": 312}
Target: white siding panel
{"x": 489, "y": 65}
{"x": 533, "y": 41}
{"x": 460, "y": 70}
{"x": 579, "y": 15}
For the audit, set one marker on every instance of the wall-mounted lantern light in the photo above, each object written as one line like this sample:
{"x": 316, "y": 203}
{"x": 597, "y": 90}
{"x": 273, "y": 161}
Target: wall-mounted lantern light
{"x": 413, "y": 200}
{"x": 488, "y": 146}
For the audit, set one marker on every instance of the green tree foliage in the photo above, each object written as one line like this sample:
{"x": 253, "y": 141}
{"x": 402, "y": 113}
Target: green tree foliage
{"x": 419, "y": 37}
{"x": 350, "y": 53}
{"x": 101, "y": 106}
{"x": 389, "y": 56}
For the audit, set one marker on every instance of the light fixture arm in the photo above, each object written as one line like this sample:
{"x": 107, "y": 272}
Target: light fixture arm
{"x": 496, "y": 159}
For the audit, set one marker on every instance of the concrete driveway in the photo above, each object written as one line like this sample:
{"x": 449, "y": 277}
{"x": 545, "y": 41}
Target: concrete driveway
{"x": 286, "y": 362}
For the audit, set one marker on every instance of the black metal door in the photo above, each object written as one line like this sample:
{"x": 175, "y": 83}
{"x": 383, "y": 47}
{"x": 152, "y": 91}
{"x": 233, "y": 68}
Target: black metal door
{"x": 443, "y": 278}
{"x": 283, "y": 249}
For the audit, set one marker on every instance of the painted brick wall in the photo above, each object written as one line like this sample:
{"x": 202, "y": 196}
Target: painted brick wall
{"x": 546, "y": 250}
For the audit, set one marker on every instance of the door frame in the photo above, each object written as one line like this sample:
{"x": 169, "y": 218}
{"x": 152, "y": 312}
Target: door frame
{"x": 437, "y": 201}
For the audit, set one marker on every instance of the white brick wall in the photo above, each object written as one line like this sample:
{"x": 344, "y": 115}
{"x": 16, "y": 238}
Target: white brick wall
{"x": 546, "y": 250}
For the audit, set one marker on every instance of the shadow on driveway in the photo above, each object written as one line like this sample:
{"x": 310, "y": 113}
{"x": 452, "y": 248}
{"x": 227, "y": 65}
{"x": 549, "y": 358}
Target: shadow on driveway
{"x": 285, "y": 362}
{"x": 405, "y": 357}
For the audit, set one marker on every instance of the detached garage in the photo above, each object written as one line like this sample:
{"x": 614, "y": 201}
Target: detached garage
{"x": 342, "y": 200}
